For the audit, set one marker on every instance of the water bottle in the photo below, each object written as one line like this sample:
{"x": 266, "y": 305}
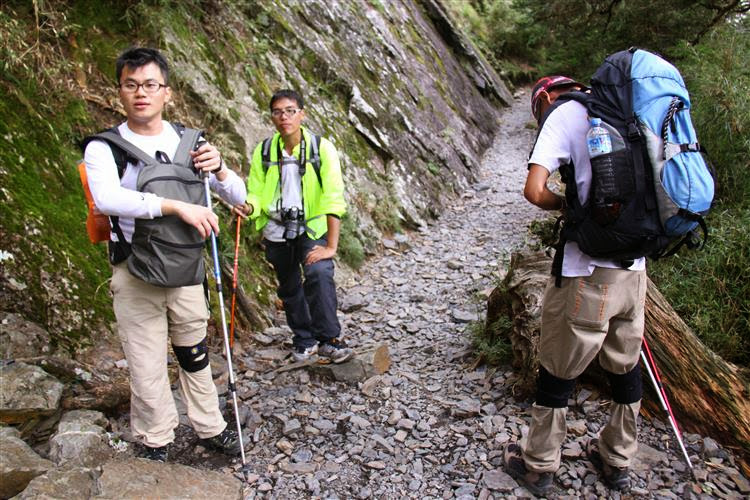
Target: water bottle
{"x": 604, "y": 189}
{"x": 598, "y": 139}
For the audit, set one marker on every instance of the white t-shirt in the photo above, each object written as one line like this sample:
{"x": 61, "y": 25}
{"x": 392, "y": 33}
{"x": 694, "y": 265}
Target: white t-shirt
{"x": 562, "y": 140}
{"x": 115, "y": 196}
{"x": 288, "y": 195}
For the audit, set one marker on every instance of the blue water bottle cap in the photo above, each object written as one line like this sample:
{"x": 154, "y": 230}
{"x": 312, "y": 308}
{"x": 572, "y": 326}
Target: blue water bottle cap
{"x": 595, "y": 122}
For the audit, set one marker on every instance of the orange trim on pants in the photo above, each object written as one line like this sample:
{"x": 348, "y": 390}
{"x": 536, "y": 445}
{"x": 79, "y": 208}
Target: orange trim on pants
{"x": 599, "y": 315}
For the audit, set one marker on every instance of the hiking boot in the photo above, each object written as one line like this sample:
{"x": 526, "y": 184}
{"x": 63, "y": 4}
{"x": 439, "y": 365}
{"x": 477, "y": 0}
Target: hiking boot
{"x": 156, "y": 454}
{"x": 335, "y": 350}
{"x": 300, "y": 353}
{"x": 539, "y": 483}
{"x": 227, "y": 442}
{"x": 616, "y": 478}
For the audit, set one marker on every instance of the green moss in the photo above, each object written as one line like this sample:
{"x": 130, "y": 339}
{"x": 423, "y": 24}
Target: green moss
{"x": 378, "y": 5}
{"x": 44, "y": 211}
{"x": 350, "y": 247}
{"x": 386, "y": 214}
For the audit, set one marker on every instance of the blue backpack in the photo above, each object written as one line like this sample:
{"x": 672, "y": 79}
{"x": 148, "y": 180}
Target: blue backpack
{"x": 656, "y": 185}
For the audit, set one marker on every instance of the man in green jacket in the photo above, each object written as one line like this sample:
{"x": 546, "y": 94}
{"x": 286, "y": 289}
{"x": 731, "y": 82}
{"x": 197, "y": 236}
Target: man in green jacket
{"x": 298, "y": 206}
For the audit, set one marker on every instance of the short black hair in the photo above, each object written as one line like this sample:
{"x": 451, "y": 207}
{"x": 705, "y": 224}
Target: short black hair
{"x": 288, "y": 94}
{"x": 137, "y": 57}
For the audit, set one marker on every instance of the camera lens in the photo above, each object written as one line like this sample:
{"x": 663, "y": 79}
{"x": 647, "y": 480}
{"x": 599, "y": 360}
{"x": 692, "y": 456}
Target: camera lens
{"x": 292, "y": 218}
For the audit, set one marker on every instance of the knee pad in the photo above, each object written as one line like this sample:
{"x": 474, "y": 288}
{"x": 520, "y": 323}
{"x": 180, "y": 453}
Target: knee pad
{"x": 551, "y": 391}
{"x": 626, "y": 388}
{"x": 192, "y": 358}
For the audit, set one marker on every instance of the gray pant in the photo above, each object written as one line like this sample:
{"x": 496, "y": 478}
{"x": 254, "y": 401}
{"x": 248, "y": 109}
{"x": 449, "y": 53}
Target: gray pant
{"x": 601, "y": 314}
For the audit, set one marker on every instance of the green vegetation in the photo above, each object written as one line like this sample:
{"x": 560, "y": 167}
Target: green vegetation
{"x": 42, "y": 206}
{"x": 710, "y": 45}
{"x": 492, "y": 341}
{"x": 350, "y": 247}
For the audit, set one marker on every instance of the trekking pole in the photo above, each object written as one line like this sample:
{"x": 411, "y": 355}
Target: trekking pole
{"x": 227, "y": 349}
{"x": 234, "y": 282}
{"x": 656, "y": 381}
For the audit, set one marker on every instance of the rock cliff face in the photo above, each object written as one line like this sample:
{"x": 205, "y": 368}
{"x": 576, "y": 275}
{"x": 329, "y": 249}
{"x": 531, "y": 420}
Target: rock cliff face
{"x": 405, "y": 97}
{"x": 403, "y": 94}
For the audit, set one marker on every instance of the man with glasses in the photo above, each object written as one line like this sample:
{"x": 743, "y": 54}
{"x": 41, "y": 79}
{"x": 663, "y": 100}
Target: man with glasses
{"x": 148, "y": 315}
{"x": 296, "y": 197}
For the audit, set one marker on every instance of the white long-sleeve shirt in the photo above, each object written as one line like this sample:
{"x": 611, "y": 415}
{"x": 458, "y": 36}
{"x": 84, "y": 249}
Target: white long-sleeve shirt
{"x": 115, "y": 196}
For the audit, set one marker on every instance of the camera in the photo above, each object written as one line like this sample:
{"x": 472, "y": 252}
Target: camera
{"x": 293, "y": 219}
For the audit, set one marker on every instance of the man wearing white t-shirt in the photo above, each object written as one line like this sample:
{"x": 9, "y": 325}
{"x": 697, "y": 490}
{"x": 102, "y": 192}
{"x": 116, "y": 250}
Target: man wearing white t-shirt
{"x": 148, "y": 315}
{"x": 598, "y": 309}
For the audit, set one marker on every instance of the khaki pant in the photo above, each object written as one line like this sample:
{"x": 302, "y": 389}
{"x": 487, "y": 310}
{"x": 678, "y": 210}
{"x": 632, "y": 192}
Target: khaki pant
{"x": 147, "y": 316}
{"x": 599, "y": 314}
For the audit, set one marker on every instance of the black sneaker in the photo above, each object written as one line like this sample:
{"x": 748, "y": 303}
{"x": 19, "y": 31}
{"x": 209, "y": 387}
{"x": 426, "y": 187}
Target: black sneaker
{"x": 335, "y": 350}
{"x": 617, "y": 478}
{"x": 539, "y": 483}
{"x": 156, "y": 454}
{"x": 227, "y": 442}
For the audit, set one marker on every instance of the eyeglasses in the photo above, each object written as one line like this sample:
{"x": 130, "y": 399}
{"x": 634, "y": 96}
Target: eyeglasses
{"x": 150, "y": 87}
{"x": 286, "y": 112}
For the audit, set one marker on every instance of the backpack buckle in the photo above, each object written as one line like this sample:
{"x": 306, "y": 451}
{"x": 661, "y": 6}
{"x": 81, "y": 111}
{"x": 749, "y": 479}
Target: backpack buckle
{"x": 634, "y": 132}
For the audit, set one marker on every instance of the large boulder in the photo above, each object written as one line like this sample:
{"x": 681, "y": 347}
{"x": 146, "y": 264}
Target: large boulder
{"x": 19, "y": 464}
{"x": 27, "y": 393}
{"x": 81, "y": 440}
{"x": 141, "y": 478}
{"x": 68, "y": 482}
{"x": 366, "y": 364}
{"x": 20, "y": 338}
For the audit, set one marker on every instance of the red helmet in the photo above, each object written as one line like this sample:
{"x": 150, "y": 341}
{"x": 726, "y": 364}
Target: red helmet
{"x": 544, "y": 85}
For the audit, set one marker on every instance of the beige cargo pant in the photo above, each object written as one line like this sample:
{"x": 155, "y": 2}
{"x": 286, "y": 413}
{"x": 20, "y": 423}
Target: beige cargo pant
{"x": 147, "y": 316}
{"x": 599, "y": 314}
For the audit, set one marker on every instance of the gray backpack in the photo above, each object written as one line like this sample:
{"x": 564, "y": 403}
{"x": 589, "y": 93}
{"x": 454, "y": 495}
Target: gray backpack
{"x": 164, "y": 251}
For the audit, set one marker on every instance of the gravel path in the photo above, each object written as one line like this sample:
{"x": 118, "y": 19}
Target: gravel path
{"x": 434, "y": 426}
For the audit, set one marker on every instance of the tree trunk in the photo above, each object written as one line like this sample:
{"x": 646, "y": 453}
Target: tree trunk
{"x": 708, "y": 395}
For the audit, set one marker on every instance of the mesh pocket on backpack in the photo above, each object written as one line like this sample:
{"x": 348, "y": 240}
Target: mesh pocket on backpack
{"x": 612, "y": 185}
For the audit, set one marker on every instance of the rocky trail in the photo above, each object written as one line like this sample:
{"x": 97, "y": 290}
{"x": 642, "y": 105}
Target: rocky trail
{"x": 434, "y": 424}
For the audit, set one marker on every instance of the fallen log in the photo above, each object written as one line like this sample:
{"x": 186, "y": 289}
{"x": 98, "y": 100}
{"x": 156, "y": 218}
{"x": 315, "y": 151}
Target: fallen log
{"x": 708, "y": 395}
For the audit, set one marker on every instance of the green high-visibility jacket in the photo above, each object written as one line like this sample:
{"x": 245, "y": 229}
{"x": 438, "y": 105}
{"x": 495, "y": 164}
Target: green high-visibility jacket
{"x": 320, "y": 197}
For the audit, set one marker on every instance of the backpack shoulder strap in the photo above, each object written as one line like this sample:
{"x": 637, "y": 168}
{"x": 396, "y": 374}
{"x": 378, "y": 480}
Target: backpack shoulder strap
{"x": 314, "y": 158}
{"x": 115, "y": 139}
{"x": 573, "y": 95}
{"x": 178, "y": 127}
{"x": 121, "y": 157}
{"x": 266, "y": 153}
{"x": 188, "y": 141}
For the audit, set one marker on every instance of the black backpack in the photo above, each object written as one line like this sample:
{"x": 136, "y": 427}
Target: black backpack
{"x": 649, "y": 195}
{"x": 165, "y": 251}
